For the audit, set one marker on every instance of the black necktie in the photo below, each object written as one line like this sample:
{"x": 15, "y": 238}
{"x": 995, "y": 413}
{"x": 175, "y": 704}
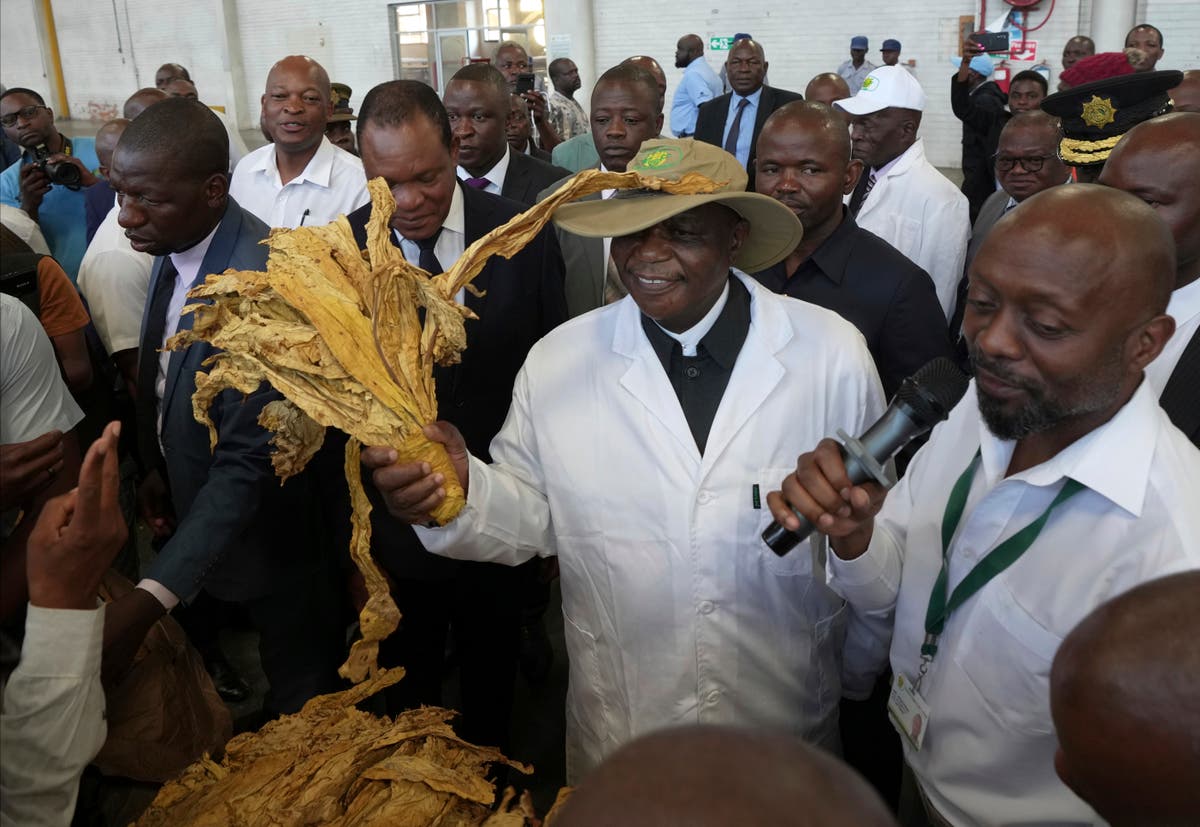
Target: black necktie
{"x": 865, "y": 184}
{"x": 147, "y": 400}
{"x": 428, "y": 260}
{"x": 731, "y": 140}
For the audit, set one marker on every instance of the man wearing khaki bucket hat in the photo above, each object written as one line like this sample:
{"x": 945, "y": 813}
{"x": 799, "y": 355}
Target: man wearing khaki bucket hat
{"x": 641, "y": 439}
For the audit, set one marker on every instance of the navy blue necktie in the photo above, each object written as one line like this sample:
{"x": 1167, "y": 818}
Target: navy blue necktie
{"x": 146, "y": 409}
{"x": 735, "y": 131}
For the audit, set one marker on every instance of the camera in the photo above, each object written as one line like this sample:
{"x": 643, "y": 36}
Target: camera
{"x": 59, "y": 172}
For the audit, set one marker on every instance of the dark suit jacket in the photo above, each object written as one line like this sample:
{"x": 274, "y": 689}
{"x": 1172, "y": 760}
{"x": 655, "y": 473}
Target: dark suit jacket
{"x": 537, "y": 152}
{"x": 523, "y": 300}
{"x": 240, "y": 533}
{"x": 98, "y": 199}
{"x": 983, "y": 115}
{"x": 583, "y": 257}
{"x": 992, "y": 211}
{"x": 1181, "y": 396}
{"x": 874, "y": 286}
{"x": 527, "y": 176}
{"x": 710, "y": 120}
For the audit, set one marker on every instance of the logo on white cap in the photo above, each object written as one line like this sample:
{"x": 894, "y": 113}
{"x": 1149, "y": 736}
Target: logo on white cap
{"x": 885, "y": 87}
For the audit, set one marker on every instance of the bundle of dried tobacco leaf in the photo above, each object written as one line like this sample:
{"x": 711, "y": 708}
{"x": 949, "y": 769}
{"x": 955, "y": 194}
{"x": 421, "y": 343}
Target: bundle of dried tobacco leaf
{"x": 340, "y": 334}
{"x": 332, "y": 764}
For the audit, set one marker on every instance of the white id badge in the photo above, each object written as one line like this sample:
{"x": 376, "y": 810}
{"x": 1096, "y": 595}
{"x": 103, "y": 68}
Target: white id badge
{"x": 908, "y": 711}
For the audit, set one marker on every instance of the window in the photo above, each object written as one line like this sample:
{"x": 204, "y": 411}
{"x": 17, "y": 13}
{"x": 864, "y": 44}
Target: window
{"x": 431, "y": 41}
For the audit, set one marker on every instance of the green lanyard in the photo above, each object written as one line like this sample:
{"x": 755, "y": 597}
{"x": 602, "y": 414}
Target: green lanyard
{"x": 1000, "y": 558}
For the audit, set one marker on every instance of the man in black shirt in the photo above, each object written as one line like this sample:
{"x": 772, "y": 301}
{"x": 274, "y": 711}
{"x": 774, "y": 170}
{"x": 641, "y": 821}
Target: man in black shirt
{"x": 804, "y": 162}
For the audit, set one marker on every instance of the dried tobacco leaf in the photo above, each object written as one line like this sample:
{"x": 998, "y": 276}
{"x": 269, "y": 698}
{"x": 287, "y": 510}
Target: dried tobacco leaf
{"x": 333, "y": 764}
{"x": 339, "y": 333}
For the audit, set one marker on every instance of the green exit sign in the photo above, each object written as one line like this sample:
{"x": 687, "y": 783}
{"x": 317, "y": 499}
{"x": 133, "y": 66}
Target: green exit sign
{"x": 720, "y": 44}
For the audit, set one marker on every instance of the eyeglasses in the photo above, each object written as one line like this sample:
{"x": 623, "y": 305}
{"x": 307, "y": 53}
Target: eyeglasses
{"x": 1033, "y": 163}
{"x": 26, "y": 112}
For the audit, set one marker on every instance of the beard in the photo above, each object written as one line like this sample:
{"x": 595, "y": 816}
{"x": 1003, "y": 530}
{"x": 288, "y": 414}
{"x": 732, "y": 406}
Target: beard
{"x": 1083, "y": 394}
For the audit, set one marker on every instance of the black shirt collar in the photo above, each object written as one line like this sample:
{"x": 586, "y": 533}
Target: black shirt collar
{"x": 834, "y": 253}
{"x": 724, "y": 340}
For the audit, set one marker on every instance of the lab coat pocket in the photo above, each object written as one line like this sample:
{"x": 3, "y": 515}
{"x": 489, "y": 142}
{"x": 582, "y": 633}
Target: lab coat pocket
{"x": 1006, "y": 655}
{"x": 908, "y": 231}
{"x": 583, "y": 574}
{"x": 799, "y": 559}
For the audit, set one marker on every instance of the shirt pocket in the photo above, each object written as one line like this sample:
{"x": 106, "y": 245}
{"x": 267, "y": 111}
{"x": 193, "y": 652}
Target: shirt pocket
{"x": 798, "y": 561}
{"x": 1006, "y": 655}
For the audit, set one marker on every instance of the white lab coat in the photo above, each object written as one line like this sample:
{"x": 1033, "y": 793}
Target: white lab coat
{"x": 918, "y": 211}
{"x": 675, "y": 610}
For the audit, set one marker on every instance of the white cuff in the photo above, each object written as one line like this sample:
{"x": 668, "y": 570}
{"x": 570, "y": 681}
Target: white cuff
{"x": 161, "y": 593}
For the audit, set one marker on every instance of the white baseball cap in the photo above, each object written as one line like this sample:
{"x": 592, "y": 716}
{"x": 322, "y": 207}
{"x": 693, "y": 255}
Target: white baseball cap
{"x": 885, "y": 87}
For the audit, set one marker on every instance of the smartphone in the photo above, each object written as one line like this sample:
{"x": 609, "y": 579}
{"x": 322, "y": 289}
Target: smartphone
{"x": 524, "y": 83}
{"x": 992, "y": 42}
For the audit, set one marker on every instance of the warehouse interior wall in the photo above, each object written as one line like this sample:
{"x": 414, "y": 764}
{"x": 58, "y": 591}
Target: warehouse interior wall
{"x": 110, "y": 49}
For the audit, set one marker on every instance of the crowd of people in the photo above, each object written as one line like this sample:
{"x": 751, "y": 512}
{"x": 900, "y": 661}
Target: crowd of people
{"x": 1003, "y": 634}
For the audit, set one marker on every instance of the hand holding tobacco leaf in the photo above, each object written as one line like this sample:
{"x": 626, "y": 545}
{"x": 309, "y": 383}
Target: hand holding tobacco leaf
{"x": 350, "y": 339}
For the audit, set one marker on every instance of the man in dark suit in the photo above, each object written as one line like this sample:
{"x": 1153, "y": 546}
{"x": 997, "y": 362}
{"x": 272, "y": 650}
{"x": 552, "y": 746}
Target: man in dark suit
{"x": 1026, "y": 163}
{"x": 478, "y": 104}
{"x": 99, "y": 197}
{"x": 230, "y": 528}
{"x": 1157, "y": 161}
{"x": 734, "y": 120}
{"x": 404, "y": 136}
{"x": 626, "y": 110}
{"x": 804, "y": 162}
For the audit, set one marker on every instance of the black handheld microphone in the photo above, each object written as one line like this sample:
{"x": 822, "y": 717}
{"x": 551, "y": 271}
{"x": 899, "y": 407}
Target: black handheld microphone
{"x": 924, "y": 400}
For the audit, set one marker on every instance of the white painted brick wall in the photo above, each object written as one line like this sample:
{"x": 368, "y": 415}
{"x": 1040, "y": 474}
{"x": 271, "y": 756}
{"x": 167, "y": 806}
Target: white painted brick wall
{"x": 107, "y": 56}
{"x": 1179, "y": 21}
{"x": 20, "y": 53}
{"x": 350, "y": 39}
{"x": 801, "y": 41}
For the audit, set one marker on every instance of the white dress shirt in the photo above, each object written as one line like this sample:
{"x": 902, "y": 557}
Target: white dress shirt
{"x": 115, "y": 278}
{"x": 187, "y": 265}
{"x": 675, "y": 610}
{"x": 918, "y": 211}
{"x": 25, "y": 228}
{"x": 689, "y": 339}
{"x": 495, "y": 176}
{"x": 699, "y": 84}
{"x": 332, "y": 184}
{"x": 53, "y": 721}
{"x": 1185, "y": 308}
{"x": 988, "y": 753}
{"x": 745, "y": 140}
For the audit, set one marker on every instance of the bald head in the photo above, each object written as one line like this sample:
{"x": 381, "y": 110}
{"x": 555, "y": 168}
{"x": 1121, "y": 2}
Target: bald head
{"x": 827, "y": 87}
{"x": 703, "y": 776}
{"x": 1186, "y": 96}
{"x": 181, "y": 131}
{"x": 1034, "y": 120}
{"x": 168, "y": 72}
{"x": 823, "y": 127}
{"x": 689, "y": 47}
{"x": 305, "y": 66}
{"x": 1125, "y": 697}
{"x": 181, "y": 88}
{"x": 1096, "y": 265}
{"x": 1097, "y": 240}
{"x": 1157, "y": 161}
{"x": 106, "y": 141}
{"x": 139, "y": 100}
{"x": 656, "y": 71}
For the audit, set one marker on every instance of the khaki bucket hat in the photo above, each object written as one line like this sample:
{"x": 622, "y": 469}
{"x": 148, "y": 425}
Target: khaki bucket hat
{"x": 774, "y": 229}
